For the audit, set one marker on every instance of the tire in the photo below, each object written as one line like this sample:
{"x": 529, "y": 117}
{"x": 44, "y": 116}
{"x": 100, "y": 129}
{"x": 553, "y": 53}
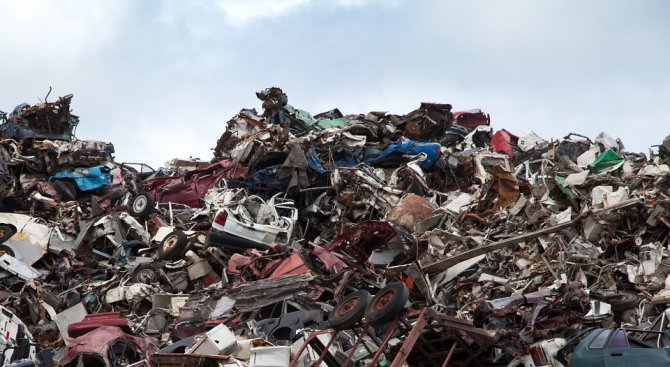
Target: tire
{"x": 6, "y": 232}
{"x": 349, "y": 311}
{"x": 65, "y": 189}
{"x": 6, "y": 250}
{"x": 113, "y": 195}
{"x": 387, "y": 304}
{"x": 173, "y": 246}
{"x": 142, "y": 205}
{"x": 622, "y": 301}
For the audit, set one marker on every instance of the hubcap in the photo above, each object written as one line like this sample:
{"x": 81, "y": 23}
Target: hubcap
{"x": 383, "y": 299}
{"x": 140, "y": 203}
{"x": 347, "y": 306}
{"x": 169, "y": 243}
{"x": 146, "y": 276}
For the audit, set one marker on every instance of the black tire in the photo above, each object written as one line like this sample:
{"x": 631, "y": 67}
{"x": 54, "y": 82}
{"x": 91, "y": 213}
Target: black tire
{"x": 65, "y": 189}
{"x": 349, "y": 311}
{"x": 387, "y": 304}
{"x": 6, "y": 250}
{"x": 173, "y": 246}
{"x": 142, "y": 205}
{"x": 622, "y": 301}
{"x": 113, "y": 195}
{"x": 6, "y": 232}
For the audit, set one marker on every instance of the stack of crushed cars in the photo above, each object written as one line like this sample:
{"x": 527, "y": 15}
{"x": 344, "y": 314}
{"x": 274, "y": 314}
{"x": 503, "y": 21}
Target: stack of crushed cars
{"x": 425, "y": 239}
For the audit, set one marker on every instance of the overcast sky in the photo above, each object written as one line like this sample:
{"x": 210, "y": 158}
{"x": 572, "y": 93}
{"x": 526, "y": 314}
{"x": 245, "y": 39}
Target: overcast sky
{"x": 160, "y": 79}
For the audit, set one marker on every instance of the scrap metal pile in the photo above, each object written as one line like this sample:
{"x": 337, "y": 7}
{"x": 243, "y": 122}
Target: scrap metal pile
{"x": 424, "y": 239}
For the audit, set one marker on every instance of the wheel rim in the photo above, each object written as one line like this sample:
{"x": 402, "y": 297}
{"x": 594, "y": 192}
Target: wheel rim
{"x": 169, "y": 243}
{"x": 146, "y": 275}
{"x": 4, "y": 251}
{"x": 140, "y": 203}
{"x": 383, "y": 299}
{"x": 346, "y": 307}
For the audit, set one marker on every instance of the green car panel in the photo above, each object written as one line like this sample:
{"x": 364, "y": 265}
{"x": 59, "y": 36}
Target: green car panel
{"x": 622, "y": 347}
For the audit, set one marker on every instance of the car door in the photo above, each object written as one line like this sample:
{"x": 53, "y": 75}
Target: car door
{"x": 589, "y": 352}
{"x": 643, "y": 347}
{"x": 616, "y": 353}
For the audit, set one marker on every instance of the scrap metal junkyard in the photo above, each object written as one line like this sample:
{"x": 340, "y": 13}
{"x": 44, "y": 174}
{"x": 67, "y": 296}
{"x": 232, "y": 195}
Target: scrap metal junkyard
{"x": 424, "y": 239}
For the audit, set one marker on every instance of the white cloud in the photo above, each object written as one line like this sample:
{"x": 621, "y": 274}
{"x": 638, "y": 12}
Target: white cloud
{"x": 62, "y": 31}
{"x": 160, "y": 78}
{"x": 240, "y": 12}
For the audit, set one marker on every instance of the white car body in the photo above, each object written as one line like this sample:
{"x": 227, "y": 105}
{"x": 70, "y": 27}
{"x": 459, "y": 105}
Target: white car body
{"x": 253, "y": 219}
{"x": 542, "y": 354}
{"x": 33, "y": 238}
{"x": 9, "y": 332}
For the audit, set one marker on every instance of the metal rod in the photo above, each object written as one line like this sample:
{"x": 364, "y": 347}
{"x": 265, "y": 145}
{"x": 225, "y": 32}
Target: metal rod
{"x": 451, "y": 353}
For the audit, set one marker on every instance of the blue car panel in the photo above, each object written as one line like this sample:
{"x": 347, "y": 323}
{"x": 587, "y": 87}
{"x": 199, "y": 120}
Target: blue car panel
{"x": 86, "y": 179}
{"x": 407, "y": 146}
{"x": 347, "y": 158}
{"x": 351, "y": 158}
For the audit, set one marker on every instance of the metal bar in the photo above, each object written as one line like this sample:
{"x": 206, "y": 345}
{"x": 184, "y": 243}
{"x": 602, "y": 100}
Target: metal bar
{"x": 442, "y": 265}
{"x": 353, "y": 350}
{"x": 472, "y": 355}
{"x": 451, "y": 353}
{"x": 387, "y": 337}
{"x": 316, "y": 188}
{"x": 324, "y": 352}
{"x": 308, "y": 340}
{"x": 411, "y": 338}
{"x": 372, "y": 338}
{"x": 425, "y": 351}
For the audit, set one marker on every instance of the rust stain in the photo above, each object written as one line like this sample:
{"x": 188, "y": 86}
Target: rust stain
{"x": 20, "y": 236}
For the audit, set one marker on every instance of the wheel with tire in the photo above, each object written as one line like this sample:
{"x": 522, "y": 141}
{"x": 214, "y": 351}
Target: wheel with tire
{"x": 143, "y": 205}
{"x": 6, "y": 232}
{"x": 387, "y": 304}
{"x": 349, "y": 311}
{"x": 65, "y": 189}
{"x": 621, "y": 301}
{"x": 173, "y": 246}
{"x": 6, "y": 250}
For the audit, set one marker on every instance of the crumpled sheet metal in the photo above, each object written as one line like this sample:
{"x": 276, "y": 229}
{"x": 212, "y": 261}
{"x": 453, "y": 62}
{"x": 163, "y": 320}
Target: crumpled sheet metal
{"x": 411, "y": 209}
{"x": 98, "y": 343}
{"x": 512, "y": 235}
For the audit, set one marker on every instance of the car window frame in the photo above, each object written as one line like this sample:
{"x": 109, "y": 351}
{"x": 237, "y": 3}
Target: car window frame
{"x": 614, "y": 334}
{"x": 605, "y": 343}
